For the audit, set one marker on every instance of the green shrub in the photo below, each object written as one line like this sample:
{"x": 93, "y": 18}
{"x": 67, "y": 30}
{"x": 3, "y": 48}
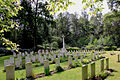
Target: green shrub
{"x": 85, "y": 61}
{"x": 102, "y": 74}
{"x": 52, "y": 62}
{"x": 118, "y": 49}
{"x": 23, "y": 65}
{"x": 114, "y": 48}
{"x": 106, "y": 48}
{"x": 90, "y": 47}
{"x": 76, "y": 64}
{"x": 100, "y": 57}
{"x": 54, "y": 45}
{"x": 62, "y": 59}
{"x": 72, "y": 48}
{"x": 72, "y": 66}
{"x": 59, "y": 69}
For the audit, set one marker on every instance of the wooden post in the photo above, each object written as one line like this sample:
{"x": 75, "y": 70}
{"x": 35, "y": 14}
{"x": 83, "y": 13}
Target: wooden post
{"x": 10, "y": 72}
{"x": 84, "y": 72}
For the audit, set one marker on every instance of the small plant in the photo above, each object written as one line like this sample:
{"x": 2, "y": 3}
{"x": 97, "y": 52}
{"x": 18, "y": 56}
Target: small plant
{"x": 23, "y": 65}
{"x": 47, "y": 71}
{"x": 85, "y": 61}
{"x": 59, "y": 69}
{"x": 76, "y": 64}
{"x": 72, "y": 66}
{"x": 102, "y": 75}
{"x": 62, "y": 59}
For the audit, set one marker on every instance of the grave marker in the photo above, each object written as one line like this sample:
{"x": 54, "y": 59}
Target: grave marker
{"x": 10, "y": 72}
{"x": 46, "y": 67}
{"x": 28, "y": 67}
{"x": 84, "y": 72}
{"x": 92, "y": 69}
{"x": 102, "y": 65}
{"x": 57, "y": 61}
{"x": 107, "y": 63}
{"x": 69, "y": 60}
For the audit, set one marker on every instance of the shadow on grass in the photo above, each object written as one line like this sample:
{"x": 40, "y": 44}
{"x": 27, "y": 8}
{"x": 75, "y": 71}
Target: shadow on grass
{"x": 112, "y": 70}
{"x": 103, "y": 75}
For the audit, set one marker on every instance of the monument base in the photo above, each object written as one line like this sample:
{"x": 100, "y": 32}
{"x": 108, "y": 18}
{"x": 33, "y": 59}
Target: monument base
{"x": 63, "y": 50}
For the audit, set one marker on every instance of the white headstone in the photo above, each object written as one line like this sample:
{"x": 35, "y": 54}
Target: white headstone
{"x": 11, "y": 60}
{"x": 45, "y": 57}
{"x": 17, "y": 62}
{"x": 41, "y": 60}
{"x": 33, "y": 58}
{"x": 6, "y": 62}
{"x": 23, "y": 55}
{"x": 27, "y": 60}
{"x": 14, "y": 54}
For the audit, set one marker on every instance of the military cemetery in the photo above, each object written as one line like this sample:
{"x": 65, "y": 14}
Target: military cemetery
{"x": 59, "y": 39}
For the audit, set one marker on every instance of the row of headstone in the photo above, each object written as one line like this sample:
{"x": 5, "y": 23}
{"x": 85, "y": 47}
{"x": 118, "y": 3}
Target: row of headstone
{"x": 10, "y": 69}
{"x": 93, "y": 69}
{"x": 38, "y": 57}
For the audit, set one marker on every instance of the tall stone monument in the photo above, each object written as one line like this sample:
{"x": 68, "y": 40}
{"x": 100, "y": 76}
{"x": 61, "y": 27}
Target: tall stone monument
{"x": 63, "y": 49}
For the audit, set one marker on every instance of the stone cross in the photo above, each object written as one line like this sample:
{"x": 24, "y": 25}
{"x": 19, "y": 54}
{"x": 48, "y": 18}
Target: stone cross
{"x": 63, "y": 41}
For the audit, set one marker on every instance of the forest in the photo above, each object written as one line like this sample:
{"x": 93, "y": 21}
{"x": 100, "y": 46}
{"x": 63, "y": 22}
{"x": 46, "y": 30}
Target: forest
{"x": 38, "y": 29}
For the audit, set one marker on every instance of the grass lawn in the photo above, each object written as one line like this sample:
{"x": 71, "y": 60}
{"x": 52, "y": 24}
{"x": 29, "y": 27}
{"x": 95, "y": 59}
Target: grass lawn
{"x": 73, "y": 74}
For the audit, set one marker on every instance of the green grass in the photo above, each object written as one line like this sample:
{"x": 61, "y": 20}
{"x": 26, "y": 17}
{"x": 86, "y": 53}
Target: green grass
{"x": 73, "y": 74}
